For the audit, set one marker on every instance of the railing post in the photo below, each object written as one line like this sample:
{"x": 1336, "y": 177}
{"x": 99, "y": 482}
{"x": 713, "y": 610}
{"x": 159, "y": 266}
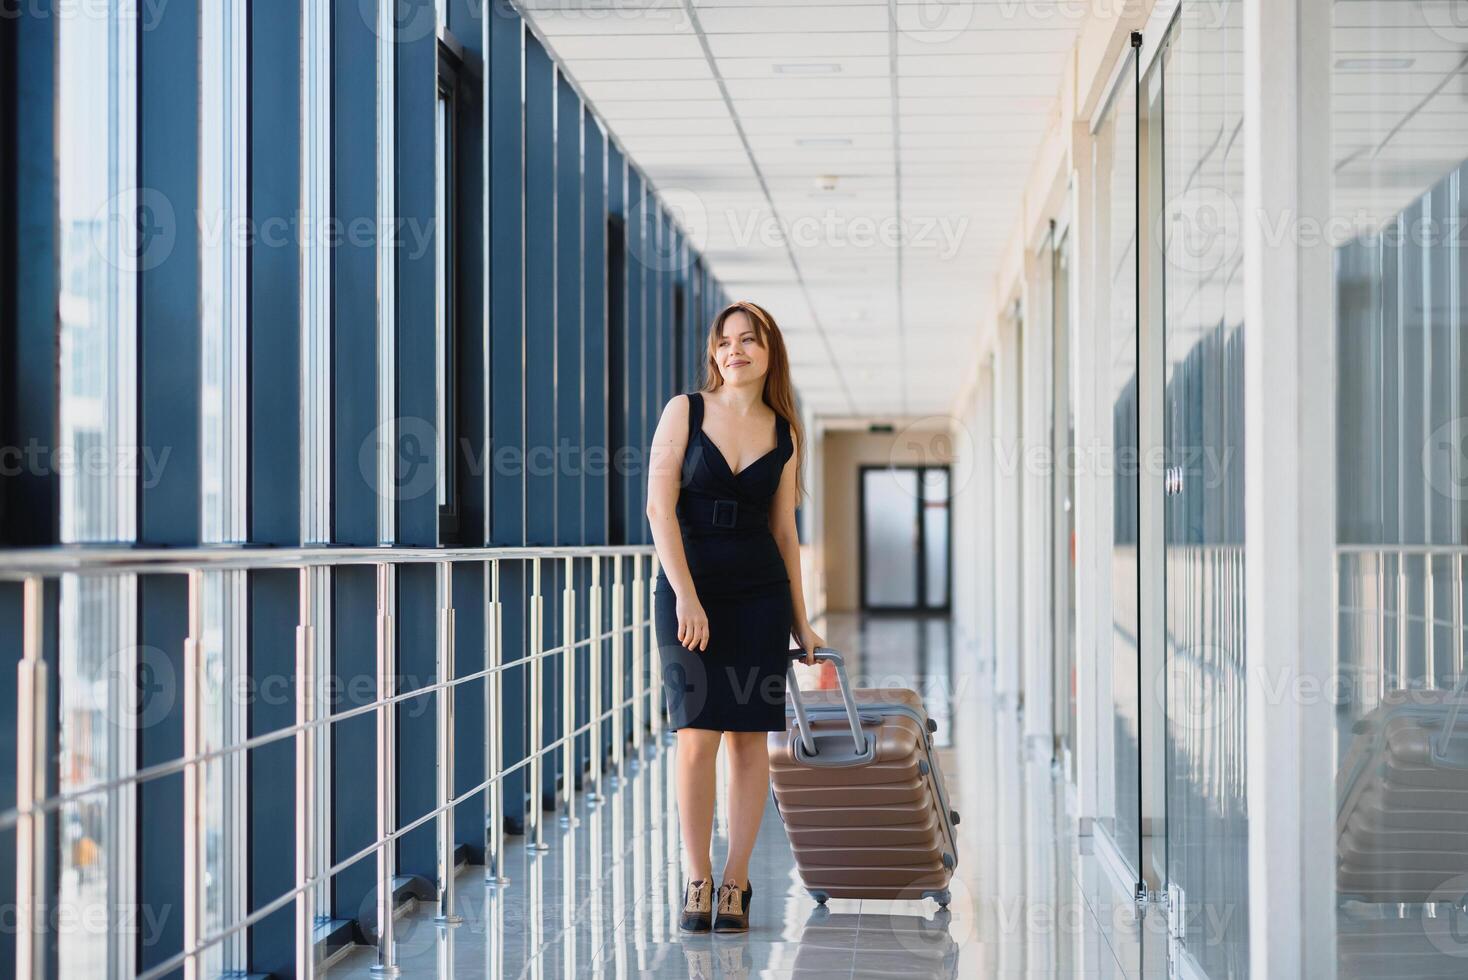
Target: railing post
{"x": 1459, "y": 667}
{"x": 593, "y": 684}
{"x": 31, "y": 753}
{"x": 619, "y": 683}
{"x": 444, "y": 669}
{"x": 568, "y": 695}
{"x": 655, "y": 662}
{"x": 536, "y": 830}
{"x": 306, "y": 777}
{"x": 639, "y": 689}
{"x": 387, "y": 954}
{"x": 494, "y": 752}
{"x": 193, "y": 779}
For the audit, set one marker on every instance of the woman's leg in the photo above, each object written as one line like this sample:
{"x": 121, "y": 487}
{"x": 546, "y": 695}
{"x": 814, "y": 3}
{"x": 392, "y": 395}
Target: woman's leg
{"x": 749, "y": 784}
{"x": 698, "y": 748}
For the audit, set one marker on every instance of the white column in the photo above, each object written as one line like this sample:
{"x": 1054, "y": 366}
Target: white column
{"x": 1289, "y": 383}
{"x": 1007, "y": 453}
{"x": 1034, "y": 488}
{"x": 1091, "y": 355}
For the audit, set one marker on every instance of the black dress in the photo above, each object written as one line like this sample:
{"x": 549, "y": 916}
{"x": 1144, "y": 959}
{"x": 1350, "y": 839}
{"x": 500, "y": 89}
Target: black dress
{"x": 737, "y": 684}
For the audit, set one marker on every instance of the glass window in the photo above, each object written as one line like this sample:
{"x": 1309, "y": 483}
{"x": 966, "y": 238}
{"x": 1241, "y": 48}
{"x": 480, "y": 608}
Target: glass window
{"x": 1400, "y": 164}
{"x": 108, "y": 231}
{"x": 1114, "y": 170}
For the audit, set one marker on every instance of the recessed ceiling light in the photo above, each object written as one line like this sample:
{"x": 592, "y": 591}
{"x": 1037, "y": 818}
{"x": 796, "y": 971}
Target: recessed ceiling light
{"x": 1375, "y": 64}
{"x": 807, "y": 68}
{"x": 823, "y": 141}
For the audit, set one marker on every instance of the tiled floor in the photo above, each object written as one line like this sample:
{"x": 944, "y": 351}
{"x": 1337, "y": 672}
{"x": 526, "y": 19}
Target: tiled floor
{"x": 1028, "y": 898}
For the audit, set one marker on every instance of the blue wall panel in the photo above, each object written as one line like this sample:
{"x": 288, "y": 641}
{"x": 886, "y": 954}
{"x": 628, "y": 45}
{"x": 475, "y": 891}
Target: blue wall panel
{"x": 168, "y": 291}
{"x": 540, "y": 294}
{"x": 417, "y": 271}
{"x": 416, "y": 627}
{"x": 273, "y": 601}
{"x": 274, "y": 271}
{"x": 594, "y": 275}
{"x": 507, "y": 352}
{"x": 637, "y": 373}
{"x": 353, "y": 741}
{"x": 570, "y": 365}
{"x": 354, "y": 273}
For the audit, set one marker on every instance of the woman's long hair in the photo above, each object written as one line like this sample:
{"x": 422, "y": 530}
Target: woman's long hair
{"x": 779, "y": 394}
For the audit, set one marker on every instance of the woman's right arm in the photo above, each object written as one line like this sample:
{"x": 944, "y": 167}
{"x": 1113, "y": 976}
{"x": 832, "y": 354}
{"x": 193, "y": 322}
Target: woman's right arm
{"x": 664, "y": 480}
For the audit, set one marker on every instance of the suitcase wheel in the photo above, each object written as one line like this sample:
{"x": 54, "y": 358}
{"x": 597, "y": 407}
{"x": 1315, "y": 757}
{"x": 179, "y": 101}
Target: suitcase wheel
{"x": 820, "y": 897}
{"x": 953, "y": 817}
{"x": 941, "y": 897}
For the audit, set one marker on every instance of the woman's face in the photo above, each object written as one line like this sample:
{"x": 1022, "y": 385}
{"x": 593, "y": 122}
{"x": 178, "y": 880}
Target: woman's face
{"x": 741, "y": 357}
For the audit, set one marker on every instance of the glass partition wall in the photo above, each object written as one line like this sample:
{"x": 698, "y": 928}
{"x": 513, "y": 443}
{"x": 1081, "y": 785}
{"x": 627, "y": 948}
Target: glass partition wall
{"x": 1400, "y": 165}
{"x": 1195, "y": 140}
{"x": 1115, "y": 236}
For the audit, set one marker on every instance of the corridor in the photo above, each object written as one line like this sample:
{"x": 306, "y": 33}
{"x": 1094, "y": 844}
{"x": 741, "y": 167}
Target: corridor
{"x": 386, "y": 384}
{"x": 604, "y": 898}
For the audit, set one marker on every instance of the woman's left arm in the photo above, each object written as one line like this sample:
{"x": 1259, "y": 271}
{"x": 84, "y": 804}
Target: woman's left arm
{"x": 787, "y": 537}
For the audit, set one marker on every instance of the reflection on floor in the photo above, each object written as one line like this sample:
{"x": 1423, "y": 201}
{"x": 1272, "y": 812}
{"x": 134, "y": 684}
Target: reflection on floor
{"x": 604, "y": 898}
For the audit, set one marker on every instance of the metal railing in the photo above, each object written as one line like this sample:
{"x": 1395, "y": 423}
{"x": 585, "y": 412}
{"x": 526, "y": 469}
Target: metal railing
{"x": 1389, "y": 596}
{"x": 34, "y": 805}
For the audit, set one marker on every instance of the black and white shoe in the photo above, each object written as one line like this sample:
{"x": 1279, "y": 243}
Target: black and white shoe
{"x": 733, "y": 908}
{"x": 697, "y": 913}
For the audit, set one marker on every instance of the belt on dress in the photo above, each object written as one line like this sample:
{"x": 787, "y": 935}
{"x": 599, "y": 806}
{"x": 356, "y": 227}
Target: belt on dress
{"x": 725, "y": 513}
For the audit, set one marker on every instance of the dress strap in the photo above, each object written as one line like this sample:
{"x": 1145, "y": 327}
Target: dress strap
{"x": 695, "y": 413}
{"x": 783, "y": 438}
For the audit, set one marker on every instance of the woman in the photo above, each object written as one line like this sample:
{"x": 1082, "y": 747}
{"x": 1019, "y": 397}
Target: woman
{"x": 721, "y": 495}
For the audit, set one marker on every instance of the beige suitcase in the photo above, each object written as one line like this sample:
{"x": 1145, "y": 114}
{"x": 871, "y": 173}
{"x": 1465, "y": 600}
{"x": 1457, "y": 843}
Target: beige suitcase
{"x": 859, "y": 790}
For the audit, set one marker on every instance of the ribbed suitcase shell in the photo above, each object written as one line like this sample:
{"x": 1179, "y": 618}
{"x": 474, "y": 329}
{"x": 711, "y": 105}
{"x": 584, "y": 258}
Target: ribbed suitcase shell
{"x": 1402, "y": 824}
{"x": 879, "y": 829}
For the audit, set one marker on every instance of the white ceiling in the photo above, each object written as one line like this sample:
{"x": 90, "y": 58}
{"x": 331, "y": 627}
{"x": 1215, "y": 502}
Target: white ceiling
{"x": 927, "y": 112}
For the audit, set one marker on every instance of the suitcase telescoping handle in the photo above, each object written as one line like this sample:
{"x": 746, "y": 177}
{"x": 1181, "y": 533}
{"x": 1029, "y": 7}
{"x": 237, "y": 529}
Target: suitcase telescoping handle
{"x": 807, "y": 737}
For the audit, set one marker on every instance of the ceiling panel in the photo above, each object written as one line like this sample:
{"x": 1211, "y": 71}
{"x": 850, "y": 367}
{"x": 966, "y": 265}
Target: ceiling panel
{"x": 775, "y": 132}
